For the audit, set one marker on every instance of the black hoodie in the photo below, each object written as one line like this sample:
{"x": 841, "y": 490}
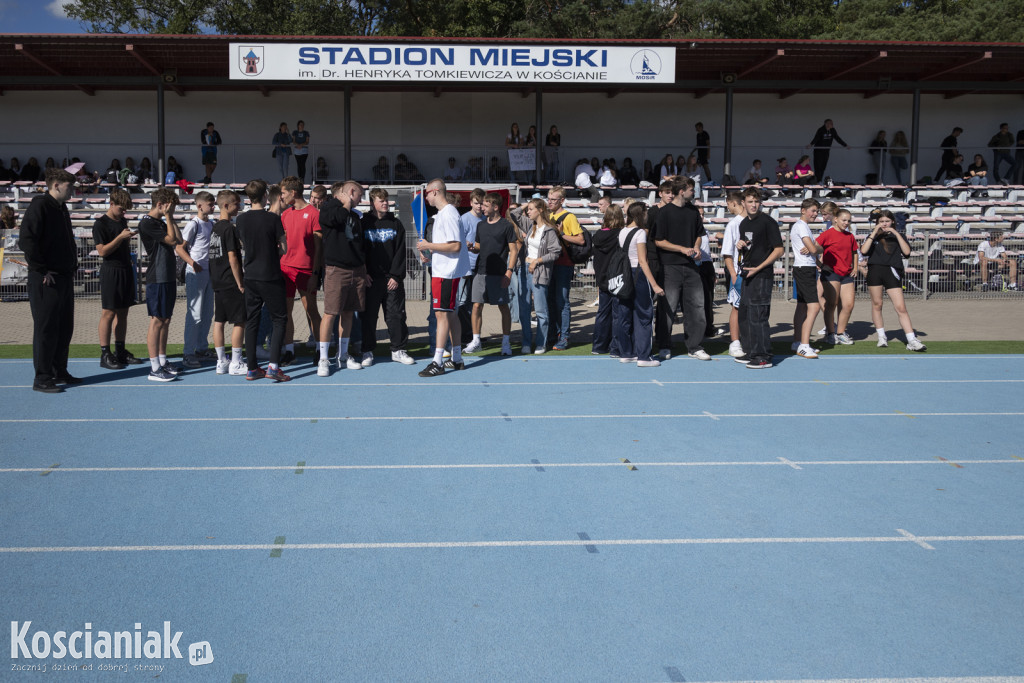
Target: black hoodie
{"x": 385, "y": 238}
{"x": 605, "y": 244}
{"x": 343, "y": 243}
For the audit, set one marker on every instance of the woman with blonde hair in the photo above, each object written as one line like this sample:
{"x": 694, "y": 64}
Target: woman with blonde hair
{"x": 542, "y": 250}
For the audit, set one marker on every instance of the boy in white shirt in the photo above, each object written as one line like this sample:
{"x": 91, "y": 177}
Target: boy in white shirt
{"x": 991, "y": 257}
{"x": 195, "y": 252}
{"x": 730, "y": 260}
{"x": 805, "y": 277}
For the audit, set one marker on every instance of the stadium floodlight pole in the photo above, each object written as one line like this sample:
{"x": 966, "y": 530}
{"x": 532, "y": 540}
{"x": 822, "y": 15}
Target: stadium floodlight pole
{"x": 915, "y": 134}
{"x": 727, "y": 152}
{"x": 160, "y": 141}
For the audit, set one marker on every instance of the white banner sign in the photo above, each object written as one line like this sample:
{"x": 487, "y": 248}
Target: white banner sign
{"x": 522, "y": 159}
{"x": 366, "y": 62}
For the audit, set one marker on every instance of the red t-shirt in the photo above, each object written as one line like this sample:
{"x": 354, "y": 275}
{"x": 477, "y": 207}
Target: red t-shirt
{"x": 299, "y": 226}
{"x": 839, "y": 247}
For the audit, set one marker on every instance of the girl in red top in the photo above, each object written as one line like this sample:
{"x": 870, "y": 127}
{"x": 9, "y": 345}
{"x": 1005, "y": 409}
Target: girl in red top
{"x": 837, "y": 271}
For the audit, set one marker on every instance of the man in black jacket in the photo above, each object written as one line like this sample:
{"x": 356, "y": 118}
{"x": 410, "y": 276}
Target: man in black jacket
{"x": 48, "y": 241}
{"x": 822, "y": 144}
{"x": 385, "y": 264}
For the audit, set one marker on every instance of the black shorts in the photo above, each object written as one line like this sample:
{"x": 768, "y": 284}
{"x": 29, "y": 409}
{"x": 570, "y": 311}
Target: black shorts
{"x": 805, "y": 284}
{"x": 210, "y": 158}
{"x": 117, "y": 288}
{"x": 160, "y": 299}
{"x": 229, "y": 306}
{"x": 886, "y": 276}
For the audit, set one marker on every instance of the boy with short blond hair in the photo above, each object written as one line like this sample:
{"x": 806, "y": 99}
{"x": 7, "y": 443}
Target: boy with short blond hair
{"x": 732, "y": 248}
{"x": 228, "y": 285}
{"x": 160, "y": 235}
{"x": 112, "y": 238}
{"x": 195, "y": 251}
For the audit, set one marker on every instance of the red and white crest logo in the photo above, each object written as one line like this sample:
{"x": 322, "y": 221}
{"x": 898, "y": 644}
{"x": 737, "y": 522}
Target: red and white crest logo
{"x": 250, "y": 60}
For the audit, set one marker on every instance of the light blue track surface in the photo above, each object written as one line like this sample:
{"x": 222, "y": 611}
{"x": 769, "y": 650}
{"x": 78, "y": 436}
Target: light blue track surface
{"x": 853, "y": 517}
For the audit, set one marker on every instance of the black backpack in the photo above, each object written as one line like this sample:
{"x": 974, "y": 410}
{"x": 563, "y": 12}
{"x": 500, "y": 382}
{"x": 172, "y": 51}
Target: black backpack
{"x": 618, "y": 279}
{"x": 578, "y": 253}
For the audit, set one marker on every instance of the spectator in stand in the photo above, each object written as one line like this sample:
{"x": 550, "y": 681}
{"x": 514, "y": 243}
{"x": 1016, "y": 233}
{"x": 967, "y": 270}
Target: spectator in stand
{"x": 5, "y": 174}
{"x": 1002, "y": 144}
{"x": 282, "y": 148}
{"x": 474, "y": 169}
{"x": 583, "y": 166}
{"x": 696, "y": 173}
{"x": 514, "y": 140}
{"x": 898, "y": 155}
{"x": 48, "y": 164}
{"x": 992, "y": 259}
{"x": 802, "y": 173}
{"x": 977, "y": 173}
{"x": 1018, "y": 164}
{"x": 703, "y": 149}
{"x": 668, "y": 168}
{"x": 31, "y": 172}
{"x": 877, "y": 150}
{"x": 129, "y": 163}
{"x": 650, "y": 174}
{"x": 175, "y": 167}
{"x": 146, "y": 170}
{"x": 405, "y": 170}
{"x": 822, "y": 144}
{"x": 111, "y": 174}
{"x": 7, "y": 219}
{"x": 783, "y": 173}
{"x": 552, "y": 141}
{"x": 322, "y": 172}
{"x": 754, "y": 175}
{"x": 628, "y": 174}
{"x": 956, "y": 170}
{"x": 496, "y": 172}
{"x": 300, "y": 138}
{"x": 949, "y": 154}
{"x": 452, "y": 172}
{"x": 210, "y": 139}
{"x": 886, "y": 248}
{"x": 15, "y": 167}
{"x": 609, "y": 176}
{"x": 382, "y": 170}
{"x": 531, "y": 137}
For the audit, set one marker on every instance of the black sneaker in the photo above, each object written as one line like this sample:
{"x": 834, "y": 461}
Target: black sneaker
{"x": 172, "y": 370}
{"x": 125, "y": 357}
{"x": 761, "y": 364}
{"x": 432, "y": 370}
{"x": 109, "y": 361}
{"x": 452, "y": 365}
{"x": 743, "y": 359}
{"x": 287, "y": 358}
{"x": 47, "y": 387}
{"x": 65, "y": 377}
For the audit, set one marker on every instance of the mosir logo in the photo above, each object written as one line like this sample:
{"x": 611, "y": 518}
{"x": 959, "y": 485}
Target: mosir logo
{"x": 87, "y": 644}
{"x": 645, "y": 65}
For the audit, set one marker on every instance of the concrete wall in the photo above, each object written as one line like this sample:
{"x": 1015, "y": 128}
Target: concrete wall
{"x": 429, "y": 129}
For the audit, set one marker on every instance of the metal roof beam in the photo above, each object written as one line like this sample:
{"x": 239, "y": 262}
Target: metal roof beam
{"x": 881, "y": 55}
{"x": 983, "y": 57}
{"x": 764, "y": 62}
{"x": 18, "y": 47}
{"x": 152, "y": 68}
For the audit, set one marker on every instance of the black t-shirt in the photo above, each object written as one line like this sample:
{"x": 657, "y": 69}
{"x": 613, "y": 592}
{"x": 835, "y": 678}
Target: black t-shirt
{"x": 948, "y": 145}
{"x": 104, "y": 231}
{"x": 161, "y": 255}
{"x": 762, "y": 235}
{"x": 494, "y": 239}
{"x": 223, "y": 239}
{"x": 260, "y": 232}
{"x": 680, "y": 225}
{"x": 885, "y": 251}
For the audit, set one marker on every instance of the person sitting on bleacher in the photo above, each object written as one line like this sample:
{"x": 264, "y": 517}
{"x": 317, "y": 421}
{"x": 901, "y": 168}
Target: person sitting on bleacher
{"x": 628, "y": 174}
{"x": 991, "y": 257}
{"x": 754, "y": 175}
{"x": 977, "y": 173}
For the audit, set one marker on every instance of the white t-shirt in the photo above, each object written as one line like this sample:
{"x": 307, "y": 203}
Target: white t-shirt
{"x": 197, "y": 233}
{"x": 990, "y": 251}
{"x": 467, "y": 223}
{"x": 533, "y": 241}
{"x": 730, "y": 237}
{"x": 608, "y": 178}
{"x": 639, "y": 238}
{"x": 446, "y": 229}
{"x": 797, "y": 233}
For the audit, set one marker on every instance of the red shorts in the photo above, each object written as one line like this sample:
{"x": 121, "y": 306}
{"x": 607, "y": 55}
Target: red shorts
{"x": 295, "y": 279}
{"x": 444, "y": 293}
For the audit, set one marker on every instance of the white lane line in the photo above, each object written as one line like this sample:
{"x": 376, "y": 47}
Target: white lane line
{"x": 443, "y": 418}
{"x": 713, "y": 417}
{"x": 964, "y": 679}
{"x": 519, "y": 543}
{"x": 915, "y": 539}
{"x": 781, "y": 462}
{"x": 228, "y": 384}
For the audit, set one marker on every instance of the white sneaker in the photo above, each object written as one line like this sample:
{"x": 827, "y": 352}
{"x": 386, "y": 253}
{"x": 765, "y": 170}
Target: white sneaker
{"x": 367, "y": 360}
{"x": 700, "y": 354}
{"x": 665, "y": 354}
{"x": 882, "y": 342}
{"x": 628, "y": 359}
{"x": 447, "y": 354}
{"x": 652, "y": 363}
{"x": 805, "y": 351}
{"x": 323, "y": 368}
{"x": 402, "y": 357}
{"x": 915, "y": 345}
{"x": 352, "y": 364}
{"x": 539, "y": 351}
{"x": 238, "y": 369}
{"x": 822, "y": 331}
{"x": 473, "y": 346}
{"x": 735, "y": 349}
{"x": 844, "y": 339}
{"x": 222, "y": 366}
{"x": 506, "y": 349}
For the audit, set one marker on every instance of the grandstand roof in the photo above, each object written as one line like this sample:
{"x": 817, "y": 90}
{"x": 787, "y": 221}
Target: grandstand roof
{"x": 92, "y": 62}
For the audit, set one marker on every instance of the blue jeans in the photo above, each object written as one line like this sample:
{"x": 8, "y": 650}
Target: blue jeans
{"x": 899, "y": 163}
{"x": 561, "y": 314}
{"x": 282, "y": 164}
{"x": 998, "y": 157}
{"x": 199, "y": 313}
{"x": 540, "y": 303}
